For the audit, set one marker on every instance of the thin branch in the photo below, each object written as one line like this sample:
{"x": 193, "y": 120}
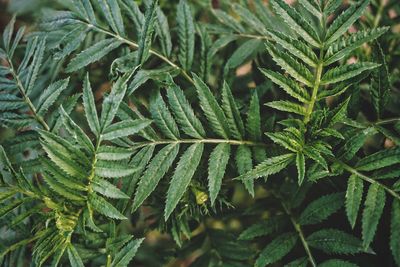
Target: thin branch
{"x": 136, "y": 46}
{"x": 22, "y": 91}
{"x": 367, "y": 178}
{"x": 298, "y": 229}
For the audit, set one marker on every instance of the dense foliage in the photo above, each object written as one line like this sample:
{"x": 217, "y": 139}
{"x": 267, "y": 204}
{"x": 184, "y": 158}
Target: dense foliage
{"x": 237, "y": 133}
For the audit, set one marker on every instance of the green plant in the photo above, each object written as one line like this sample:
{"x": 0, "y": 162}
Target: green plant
{"x": 175, "y": 145}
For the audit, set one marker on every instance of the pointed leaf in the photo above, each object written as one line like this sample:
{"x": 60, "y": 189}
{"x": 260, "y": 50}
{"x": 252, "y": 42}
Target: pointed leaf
{"x": 92, "y": 54}
{"x": 295, "y": 47}
{"x": 184, "y": 113}
{"x": 355, "y": 188}
{"x": 346, "y": 72}
{"x": 183, "y": 174}
{"x": 186, "y": 33}
{"x": 232, "y": 112}
{"x": 146, "y": 33}
{"x": 332, "y": 241}
{"x": 125, "y": 128}
{"x": 163, "y": 118}
{"x": 380, "y": 159}
{"x": 322, "y": 208}
{"x": 216, "y": 168}
{"x": 125, "y": 255}
{"x": 374, "y": 204}
{"x": 268, "y": 167}
{"x": 90, "y": 107}
{"x": 211, "y": 108}
{"x": 288, "y": 85}
{"x": 156, "y": 169}
{"x": 277, "y": 249}
{"x": 395, "y": 231}
{"x": 342, "y": 23}
{"x": 100, "y": 205}
{"x": 345, "y": 45}
{"x": 107, "y": 189}
{"x": 296, "y": 22}
{"x": 287, "y": 106}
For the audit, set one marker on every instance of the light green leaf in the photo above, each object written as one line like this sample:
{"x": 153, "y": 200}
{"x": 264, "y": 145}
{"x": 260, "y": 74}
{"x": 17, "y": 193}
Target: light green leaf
{"x": 73, "y": 256}
{"x": 75, "y": 131}
{"x": 113, "y": 153}
{"x": 84, "y": 7}
{"x": 211, "y": 108}
{"x": 50, "y": 95}
{"x": 163, "y": 118}
{"x": 90, "y": 107}
{"x": 183, "y": 174}
{"x": 345, "y": 45}
{"x": 342, "y": 23}
{"x": 301, "y": 167}
{"x": 124, "y": 128}
{"x": 61, "y": 189}
{"x": 253, "y": 125}
{"x": 276, "y": 249}
{"x": 244, "y": 163}
{"x": 186, "y": 33}
{"x": 92, "y": 54}
{"x": 184, "y": 113}
{"x": 296, "y": 22}
{"x": 6, "y": 208}
{"x": 100, "y": 205}
{"x": 125, "y": 255}
{"x": 355, "y": 188}
{"x": 232, "y": 112}
{"x": 288, "y": 85}
{"x": 313, "y": 6}
{"x": 110, "y": 169}
{"x": 290, "y": 65}
{"x": 295, "y": 47}
{"x": 268, "y": 167}
{"x": 374, "y": 204}
{"x": 216, "y": 168}
{"x": 112, "y": 13}
{"x": 146, "y": 33}
{"x": 320, "y": 209}
{"x": 287, "y": 106}
{"x": 34, "y": 65}
{"x": 111, "y": 102}
{"x": 346, "y": 72}
{"x": 107, "y": 189}
{"x": 380, "y": 82}
{"x": 163, "y": 32}
{"x": 156, "y": 169}
{"x": 134, "y": 13}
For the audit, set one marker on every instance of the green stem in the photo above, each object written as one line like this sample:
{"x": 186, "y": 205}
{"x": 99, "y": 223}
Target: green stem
{"x": 387, "y": 121}
{"x": 22, "y": 91}
{"x": 314, "y": 95}
{"x": 367, "y": 179}
{"x": 136, "y": 46}
{"x": 298, "y": 229}
{"x": 378, "y": 16}
{"x": 193, "y": 141}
